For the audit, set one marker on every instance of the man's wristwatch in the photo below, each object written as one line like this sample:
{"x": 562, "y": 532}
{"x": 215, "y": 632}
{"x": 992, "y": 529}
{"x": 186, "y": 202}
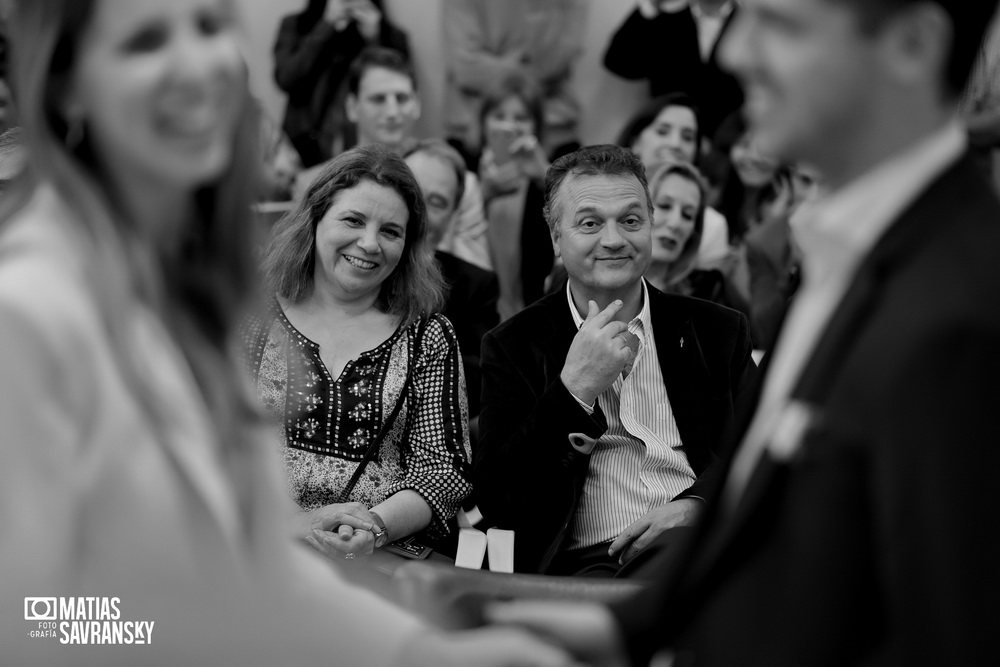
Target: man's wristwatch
{"x": 378, "y": 529}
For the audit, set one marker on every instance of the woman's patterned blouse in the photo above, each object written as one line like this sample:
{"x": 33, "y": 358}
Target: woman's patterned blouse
{"x": 327, "y": 423}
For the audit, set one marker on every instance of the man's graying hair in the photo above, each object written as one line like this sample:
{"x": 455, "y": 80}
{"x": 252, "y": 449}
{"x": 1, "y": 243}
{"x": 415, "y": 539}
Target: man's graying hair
{"x": 604, "y": 159}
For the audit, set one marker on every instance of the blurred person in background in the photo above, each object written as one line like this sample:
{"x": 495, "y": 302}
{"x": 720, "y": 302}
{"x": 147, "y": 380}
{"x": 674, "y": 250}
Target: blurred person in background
{"x": 679, "y": 193}
{"x": 512, "y": 166}
{"x": 384, "y": 105}
{"x": 759, "y": 196}
{"x": 756, "y": 187}
{"x": 678, "y": 196}
{"x": 134, "y": 460}
{"x": 673, "y": 44}
{"x": 471, "y": 295}
{"x": 312, "y": 56}
{"x": 668, "y": 128}
{"x": 486, "y": 41}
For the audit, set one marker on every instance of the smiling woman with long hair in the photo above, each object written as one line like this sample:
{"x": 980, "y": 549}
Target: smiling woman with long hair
{"x": 366, "y": 379}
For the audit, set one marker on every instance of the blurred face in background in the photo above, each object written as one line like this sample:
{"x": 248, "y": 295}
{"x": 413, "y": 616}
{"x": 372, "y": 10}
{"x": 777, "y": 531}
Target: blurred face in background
{"x": 672, "y": 136}
{"x": 675, "y": 209}
{"x": 159, "y": 87}
{"x": 506, "y": 122}
{"x": 439, "y": 184}
{"x": 753, "y": 168}
{"x": 385, "y": 109}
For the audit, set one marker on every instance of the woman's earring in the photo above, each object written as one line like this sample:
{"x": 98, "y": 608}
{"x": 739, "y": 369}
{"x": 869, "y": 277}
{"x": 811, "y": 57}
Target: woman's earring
{"x": 74, "y": 131}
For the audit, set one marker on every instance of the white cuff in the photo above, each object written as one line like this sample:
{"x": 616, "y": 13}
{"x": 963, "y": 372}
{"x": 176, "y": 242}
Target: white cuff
{"x": 585, "y": 406}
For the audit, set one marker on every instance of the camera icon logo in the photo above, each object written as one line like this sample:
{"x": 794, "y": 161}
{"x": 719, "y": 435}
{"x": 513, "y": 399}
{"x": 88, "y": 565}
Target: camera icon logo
{"x": 40, "y": 609}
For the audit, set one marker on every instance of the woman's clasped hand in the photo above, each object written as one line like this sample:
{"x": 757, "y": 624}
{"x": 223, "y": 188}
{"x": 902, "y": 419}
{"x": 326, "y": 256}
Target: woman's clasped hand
{"x": 339, "y": 529}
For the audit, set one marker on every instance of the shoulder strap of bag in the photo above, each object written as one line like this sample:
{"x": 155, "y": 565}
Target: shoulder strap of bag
{"x": 377, "y": 441}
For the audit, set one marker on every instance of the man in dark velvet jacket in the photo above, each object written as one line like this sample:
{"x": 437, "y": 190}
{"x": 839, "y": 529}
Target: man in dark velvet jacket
{"x": 858, "y": 523}
{"x": 604, "y": 404}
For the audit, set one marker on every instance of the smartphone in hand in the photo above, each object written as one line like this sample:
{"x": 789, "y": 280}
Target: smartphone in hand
{"x": 499, "y": 139}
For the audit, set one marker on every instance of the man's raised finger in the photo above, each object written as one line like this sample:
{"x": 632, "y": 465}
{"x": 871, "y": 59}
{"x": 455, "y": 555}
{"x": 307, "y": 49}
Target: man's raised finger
{"x": 601, "y": 319}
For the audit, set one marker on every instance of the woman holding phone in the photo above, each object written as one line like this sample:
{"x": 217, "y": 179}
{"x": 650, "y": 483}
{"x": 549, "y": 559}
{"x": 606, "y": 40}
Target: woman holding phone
{"x": 512, "y": 171}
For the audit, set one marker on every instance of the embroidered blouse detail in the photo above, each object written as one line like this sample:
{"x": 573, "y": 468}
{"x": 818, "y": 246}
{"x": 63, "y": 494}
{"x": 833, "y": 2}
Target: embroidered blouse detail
{"x": 327, "y": 423}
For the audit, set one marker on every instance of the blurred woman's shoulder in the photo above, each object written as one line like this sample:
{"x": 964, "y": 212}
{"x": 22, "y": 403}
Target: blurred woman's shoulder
{"x": 43, "y": 263}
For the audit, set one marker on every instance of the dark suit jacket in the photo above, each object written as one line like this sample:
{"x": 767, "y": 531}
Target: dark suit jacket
{"x": 527, "y": 475}
{"x": 471, "y": 307}
{"x": 879, "y": 542}
{"x": 665, "y": 51}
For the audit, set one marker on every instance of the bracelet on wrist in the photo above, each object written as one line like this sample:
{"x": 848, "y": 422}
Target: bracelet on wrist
{"x": 379, "y": 530}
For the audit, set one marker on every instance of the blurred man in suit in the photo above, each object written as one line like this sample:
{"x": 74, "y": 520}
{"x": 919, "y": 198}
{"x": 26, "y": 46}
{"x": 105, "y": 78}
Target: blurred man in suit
{"x": 858, "y": 523}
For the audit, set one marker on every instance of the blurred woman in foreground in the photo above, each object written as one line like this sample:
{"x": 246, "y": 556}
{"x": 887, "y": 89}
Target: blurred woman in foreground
{"x": 133, "y": 461}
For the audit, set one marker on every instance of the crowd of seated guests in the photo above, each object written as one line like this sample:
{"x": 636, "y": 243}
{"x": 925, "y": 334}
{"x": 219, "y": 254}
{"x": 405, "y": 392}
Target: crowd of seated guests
{"x": 563, "y": 335}
{"x": 373, "y": 390}
{"x": 719, "y": 235}
{"x": 499, "y": 254}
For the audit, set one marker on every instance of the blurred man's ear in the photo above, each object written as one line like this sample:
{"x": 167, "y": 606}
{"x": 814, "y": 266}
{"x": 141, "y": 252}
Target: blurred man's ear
{"x": 917, "y": 43}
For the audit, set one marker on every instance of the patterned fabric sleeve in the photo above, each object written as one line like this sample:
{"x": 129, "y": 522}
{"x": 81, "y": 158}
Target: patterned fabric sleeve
{"x": 438, "y": 453}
